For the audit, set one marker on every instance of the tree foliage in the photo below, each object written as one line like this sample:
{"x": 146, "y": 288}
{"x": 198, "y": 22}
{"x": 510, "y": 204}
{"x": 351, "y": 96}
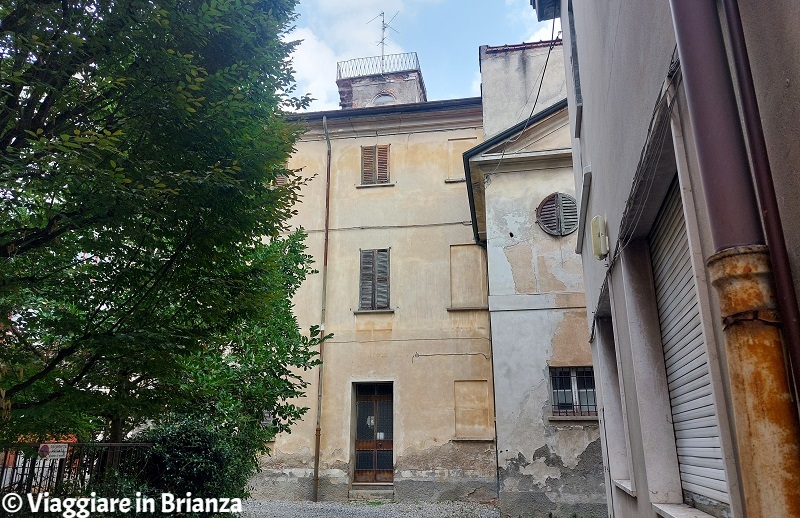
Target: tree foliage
{"x": 139, "y": 143}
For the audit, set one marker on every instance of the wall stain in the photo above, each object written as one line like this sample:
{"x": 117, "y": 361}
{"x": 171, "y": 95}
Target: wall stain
{"x": 576, "y": 491}
{"x": 520, "y": 259}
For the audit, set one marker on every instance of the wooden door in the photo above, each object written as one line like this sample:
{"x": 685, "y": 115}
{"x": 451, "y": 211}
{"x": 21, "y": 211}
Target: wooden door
{"x": 374, "y": 433}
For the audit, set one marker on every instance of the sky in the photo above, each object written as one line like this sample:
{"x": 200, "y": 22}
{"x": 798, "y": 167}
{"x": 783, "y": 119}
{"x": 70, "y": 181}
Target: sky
{"x": 445, "y": 34}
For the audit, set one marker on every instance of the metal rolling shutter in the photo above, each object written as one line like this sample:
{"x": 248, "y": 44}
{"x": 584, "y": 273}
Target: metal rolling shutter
{"x": 693, "y": 411}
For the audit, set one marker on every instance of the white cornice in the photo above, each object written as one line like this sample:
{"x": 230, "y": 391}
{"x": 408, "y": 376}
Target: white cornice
{"x": 524, "y": 161}
{"x": 358, "y": 125}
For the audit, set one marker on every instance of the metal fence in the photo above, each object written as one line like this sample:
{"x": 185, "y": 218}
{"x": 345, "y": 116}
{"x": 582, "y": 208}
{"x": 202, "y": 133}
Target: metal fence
{"x": 377, "y": 65}
{"x": 85, "y": 466}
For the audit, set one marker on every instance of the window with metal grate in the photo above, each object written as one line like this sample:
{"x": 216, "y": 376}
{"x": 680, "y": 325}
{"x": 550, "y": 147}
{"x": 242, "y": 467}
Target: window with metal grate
{"x": 573, "y": 391}
{"x": 374, "y": 274}
{"x": 557, "y": 214}
{"x": 374, "y": 164}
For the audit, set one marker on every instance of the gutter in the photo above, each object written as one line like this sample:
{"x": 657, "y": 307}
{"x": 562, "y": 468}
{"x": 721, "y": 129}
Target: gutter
{"x": 503, "y": 135}
{"x": 429, "y": 106}
{"x": 318, "y": 431}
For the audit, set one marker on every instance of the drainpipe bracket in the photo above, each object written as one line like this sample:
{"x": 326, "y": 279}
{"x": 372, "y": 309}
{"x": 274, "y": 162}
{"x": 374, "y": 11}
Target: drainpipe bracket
{"x": 766, "y": 316}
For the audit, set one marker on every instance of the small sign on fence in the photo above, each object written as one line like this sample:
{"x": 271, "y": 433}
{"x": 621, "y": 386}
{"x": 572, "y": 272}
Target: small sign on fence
{"x": 53, "y": 451}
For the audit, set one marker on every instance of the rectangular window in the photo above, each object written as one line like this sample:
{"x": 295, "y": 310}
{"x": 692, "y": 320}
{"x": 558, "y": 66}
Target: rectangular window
{"x": 374, "y": 273}
{"x": 573, "y": 391}
{"x": 374, "y": 164}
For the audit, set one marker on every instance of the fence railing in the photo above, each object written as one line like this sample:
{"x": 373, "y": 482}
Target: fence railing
{"x": 85, "y": 465}
{"x": 377, "y": 65}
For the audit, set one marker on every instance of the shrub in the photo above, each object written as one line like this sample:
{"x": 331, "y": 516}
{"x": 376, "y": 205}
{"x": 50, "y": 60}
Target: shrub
{"x": 190, "y": 455}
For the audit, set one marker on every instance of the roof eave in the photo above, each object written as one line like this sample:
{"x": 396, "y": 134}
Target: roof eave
{"x": 547, "y": 9}
{"x": 488, "y": 144}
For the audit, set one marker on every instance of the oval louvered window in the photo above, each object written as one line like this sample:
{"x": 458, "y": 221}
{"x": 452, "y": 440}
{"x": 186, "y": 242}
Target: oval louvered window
{"x": 558, "y": 214}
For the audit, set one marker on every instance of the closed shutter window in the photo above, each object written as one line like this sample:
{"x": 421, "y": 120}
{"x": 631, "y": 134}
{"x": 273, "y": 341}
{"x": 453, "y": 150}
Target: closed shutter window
{"x": 374, "y": 164}
{"x": 694, "y": 414}
{"x": 374, "y": 285}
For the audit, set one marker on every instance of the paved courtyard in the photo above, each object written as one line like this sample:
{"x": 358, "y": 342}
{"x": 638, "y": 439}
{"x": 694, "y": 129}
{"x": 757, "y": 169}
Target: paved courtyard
{"x": 260, "y": 509}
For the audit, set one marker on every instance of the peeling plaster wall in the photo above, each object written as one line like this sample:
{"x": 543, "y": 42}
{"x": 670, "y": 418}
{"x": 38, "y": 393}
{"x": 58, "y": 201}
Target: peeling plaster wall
{"x": 359, "y": 92}
{"x": 547, "y": 464}
{"x": 426, "y": 345}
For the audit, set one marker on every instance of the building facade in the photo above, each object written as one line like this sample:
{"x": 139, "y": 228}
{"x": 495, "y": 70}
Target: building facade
{"x": 405, "y": 403}
{"x": 412, "y": 401}
{"x": 521, "y": 189}
{"x": 696, "y": 410}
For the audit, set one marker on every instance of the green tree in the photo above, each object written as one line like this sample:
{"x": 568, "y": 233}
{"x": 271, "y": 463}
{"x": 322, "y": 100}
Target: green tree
{"x": 139, "y": 143}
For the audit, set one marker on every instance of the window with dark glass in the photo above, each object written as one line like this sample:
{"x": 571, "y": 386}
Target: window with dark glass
{"x": 573, "y": 391}
{"x": 374, "y": 450}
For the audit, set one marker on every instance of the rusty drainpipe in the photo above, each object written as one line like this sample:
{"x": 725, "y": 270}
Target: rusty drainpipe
{"x": 765, "y": 417}
{"x": 773, "y": 227}
{"x": 318, "y": 432}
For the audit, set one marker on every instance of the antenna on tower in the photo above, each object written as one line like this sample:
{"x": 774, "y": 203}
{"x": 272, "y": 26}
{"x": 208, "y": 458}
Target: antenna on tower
{"x": 384, "y": 25}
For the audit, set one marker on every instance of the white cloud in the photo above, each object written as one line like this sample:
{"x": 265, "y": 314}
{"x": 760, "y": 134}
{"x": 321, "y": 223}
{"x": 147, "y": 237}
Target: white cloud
{"x": 521, "y": 11}
{"x": 314, "y": 63}
{"x": 544, "y": 30}
{"x": 475, "y": 86}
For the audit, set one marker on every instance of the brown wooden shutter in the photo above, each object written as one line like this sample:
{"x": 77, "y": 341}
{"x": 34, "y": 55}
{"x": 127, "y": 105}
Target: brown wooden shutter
{"x": 367, "y": 289}
{"x": 547, "y": 215}
{"x": 383, "y": 164}
{"x": 558, "y": 214}
{"x": 569, "y": 213}
{"x": 367, "y": 164}
{"x": 382, "y": 279}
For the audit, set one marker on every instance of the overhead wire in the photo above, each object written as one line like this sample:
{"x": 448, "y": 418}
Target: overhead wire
{"x": 645, "y": 170}
{"x": 535, "y": 101}
{"x": 648, "y": 159}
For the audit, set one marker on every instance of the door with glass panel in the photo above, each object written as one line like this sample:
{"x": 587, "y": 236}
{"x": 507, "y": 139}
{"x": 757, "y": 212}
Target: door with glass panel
{"x": 374, "y": 433}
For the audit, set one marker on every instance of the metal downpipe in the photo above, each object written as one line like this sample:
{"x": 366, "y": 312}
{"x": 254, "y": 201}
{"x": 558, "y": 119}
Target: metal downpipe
{"x": 765, "y": 417}
{"x": 773, "y": 227}
{"x": 318, "y": 430}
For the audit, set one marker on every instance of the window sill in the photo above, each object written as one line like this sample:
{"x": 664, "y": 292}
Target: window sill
{"x": 371, "y": 185}
{"x": 678, "y": 511}
{"x": 469, "y": 308}
{"x": 626, "y": 486}
{"x": 592, "y": 418}
{"x": 474, "y": 439}
{"x": 454, "y": 180}
{"x": 369, "y": 311}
